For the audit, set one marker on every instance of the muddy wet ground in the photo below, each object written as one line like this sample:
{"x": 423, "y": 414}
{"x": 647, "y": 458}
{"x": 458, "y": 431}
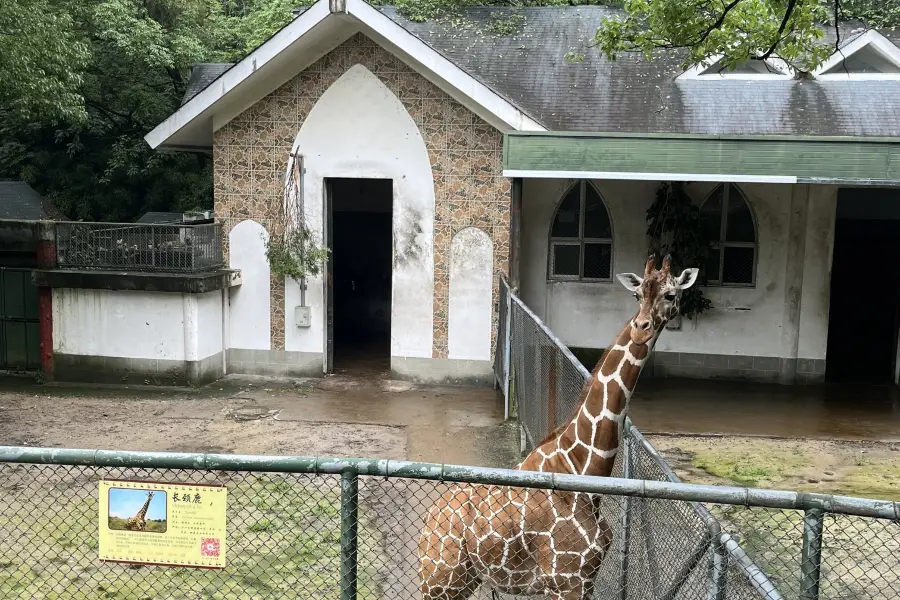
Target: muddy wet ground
{"x": 818, "y": 438}
{"x": 709, "y": 433}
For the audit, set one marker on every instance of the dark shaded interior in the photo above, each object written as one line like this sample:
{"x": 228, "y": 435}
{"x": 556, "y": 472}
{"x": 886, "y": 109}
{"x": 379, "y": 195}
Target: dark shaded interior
{"x": 362, "y": 245}
{"x": 864, "y": 313}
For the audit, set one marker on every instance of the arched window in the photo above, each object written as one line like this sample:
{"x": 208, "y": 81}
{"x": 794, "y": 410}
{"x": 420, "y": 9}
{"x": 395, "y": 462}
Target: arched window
{"x": 581, "y": 237}
{"x": 728, "y": 222}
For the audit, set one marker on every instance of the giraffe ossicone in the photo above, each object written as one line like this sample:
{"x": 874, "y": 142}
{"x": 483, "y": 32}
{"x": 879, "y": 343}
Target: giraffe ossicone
{"x": 524, "y": 541}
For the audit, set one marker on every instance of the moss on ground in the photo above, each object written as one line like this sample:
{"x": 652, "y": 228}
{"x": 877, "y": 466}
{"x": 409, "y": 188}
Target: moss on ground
{"x": 283, "y": 540}
{"x": 752, "y": 469}
{"x": 879, "y": 479}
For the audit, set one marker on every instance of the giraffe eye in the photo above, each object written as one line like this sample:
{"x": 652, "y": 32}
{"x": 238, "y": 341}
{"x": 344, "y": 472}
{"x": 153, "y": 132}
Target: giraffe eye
{"x": 670, "y": 296}
{"x": 636, "y": 295}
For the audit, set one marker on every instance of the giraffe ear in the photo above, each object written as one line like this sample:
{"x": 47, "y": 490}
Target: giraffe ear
{"x": 630, "y": 280}
{"x": 687, "y": 278}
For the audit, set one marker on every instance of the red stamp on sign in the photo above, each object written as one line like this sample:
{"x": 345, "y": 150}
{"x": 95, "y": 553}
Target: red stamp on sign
{"x": 209, "y": 547}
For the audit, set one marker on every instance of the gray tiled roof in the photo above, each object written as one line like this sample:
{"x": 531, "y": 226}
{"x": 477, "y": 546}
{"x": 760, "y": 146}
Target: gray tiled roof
{"x": 633, "y": 95}
{"x": 202, "y": 75}
{"x": 20, "y": 201}
{"x": 161, "y": 217}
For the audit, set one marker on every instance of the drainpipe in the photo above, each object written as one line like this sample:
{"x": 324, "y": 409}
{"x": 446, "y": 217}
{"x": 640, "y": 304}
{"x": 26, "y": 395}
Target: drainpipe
{"x": 300, "y": 182}
{"x": 46, "y": 260}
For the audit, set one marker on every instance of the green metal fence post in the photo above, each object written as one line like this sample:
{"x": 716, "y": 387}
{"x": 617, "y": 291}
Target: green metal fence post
{"x": 626, "y": 517}
{"x": 811, "y": 558}
{"x": 349, "y": 508}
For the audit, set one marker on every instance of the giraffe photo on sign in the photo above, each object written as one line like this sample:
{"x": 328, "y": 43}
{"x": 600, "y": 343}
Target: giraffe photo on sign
{"x": 137, "y": 510}
{"x": 170, "y": 524}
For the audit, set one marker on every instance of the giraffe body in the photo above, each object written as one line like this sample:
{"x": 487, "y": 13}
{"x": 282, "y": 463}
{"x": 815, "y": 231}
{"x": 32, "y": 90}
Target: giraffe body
{"x": 139, "y": 521}
{"x": 524, "y": 541}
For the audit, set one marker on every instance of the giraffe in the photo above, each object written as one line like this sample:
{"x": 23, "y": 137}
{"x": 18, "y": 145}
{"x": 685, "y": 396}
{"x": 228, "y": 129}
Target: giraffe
{"x": 525, "y": 541}
{"x": 138, "y": 522}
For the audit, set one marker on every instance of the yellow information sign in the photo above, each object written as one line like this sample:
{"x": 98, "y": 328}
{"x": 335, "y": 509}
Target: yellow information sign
{"x": 169, "y": 524}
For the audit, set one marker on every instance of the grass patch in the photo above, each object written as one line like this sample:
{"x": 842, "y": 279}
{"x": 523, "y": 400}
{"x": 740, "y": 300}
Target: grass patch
{"x": 283, "y": 541}
{"x": 749, "y": 468}
{"x": 877, "y": 479}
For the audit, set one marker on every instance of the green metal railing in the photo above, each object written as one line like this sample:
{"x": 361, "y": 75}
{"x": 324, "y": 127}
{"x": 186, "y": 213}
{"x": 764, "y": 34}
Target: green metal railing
{"x": 365, "y": 568}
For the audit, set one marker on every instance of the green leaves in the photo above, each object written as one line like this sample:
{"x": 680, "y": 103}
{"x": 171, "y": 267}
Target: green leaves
{"x": 674, "y": 227}
{"x": 295, "y": 253}
{"x": 42, "y": 57}
{"x": 81, "y": 83}
{"x": 737, "y": 30}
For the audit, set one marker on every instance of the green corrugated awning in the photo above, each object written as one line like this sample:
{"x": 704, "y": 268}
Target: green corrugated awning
{"x": 856, "y": 161}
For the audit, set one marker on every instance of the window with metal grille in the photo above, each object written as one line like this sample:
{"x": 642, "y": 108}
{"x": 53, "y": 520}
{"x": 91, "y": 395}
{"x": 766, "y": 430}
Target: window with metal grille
{"x": 581, "y": 237}
{"x": 729, "y": 223}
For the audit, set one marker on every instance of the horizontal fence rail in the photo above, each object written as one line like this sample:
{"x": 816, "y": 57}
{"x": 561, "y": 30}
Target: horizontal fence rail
{"x": 148, "y": 247}
{"x": 349, "y": 528}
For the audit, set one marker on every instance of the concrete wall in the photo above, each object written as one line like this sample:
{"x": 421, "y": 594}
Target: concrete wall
{"x": 742, "y": 336}
{"x": 156, "y": 337}
{"x": 249, "y": 303}
{"x": 471, "y": 280}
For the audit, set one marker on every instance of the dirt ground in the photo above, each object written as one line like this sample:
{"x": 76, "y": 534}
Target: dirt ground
{"x": 354, "y": 417}
{"x": 336, "y": 417}
{"x": 340, "y": 417}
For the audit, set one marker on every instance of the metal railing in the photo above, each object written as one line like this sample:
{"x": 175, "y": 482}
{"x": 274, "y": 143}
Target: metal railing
{"x": 139, "y": 247}
{"x": 345, "y": 528}
{"x": 689, "y": 549}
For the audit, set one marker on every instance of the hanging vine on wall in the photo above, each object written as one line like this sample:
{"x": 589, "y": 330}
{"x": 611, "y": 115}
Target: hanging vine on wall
{"x": 674, "y": 227}
{"x": 291, "y": 249}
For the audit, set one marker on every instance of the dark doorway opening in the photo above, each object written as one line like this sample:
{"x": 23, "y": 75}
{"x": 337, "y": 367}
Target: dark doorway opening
{"x": 361, "y": 264}
{"x": 864, "y": 312}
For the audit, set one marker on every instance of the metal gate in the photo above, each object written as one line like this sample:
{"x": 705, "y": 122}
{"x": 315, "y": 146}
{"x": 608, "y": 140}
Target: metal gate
{"x": 19, "y": 329}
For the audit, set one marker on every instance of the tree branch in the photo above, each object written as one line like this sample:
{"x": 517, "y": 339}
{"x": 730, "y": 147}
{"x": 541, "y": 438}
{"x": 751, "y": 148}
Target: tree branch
{"x": 718, "y": 22}
{"x": 787, "y": 15}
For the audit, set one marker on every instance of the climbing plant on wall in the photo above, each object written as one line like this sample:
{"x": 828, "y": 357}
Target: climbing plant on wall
{"x": 291, "y": 249}
{"x": 674, "y": 227}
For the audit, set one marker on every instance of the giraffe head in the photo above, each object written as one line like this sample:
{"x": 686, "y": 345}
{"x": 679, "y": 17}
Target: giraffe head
{"x": 658, "y": 294}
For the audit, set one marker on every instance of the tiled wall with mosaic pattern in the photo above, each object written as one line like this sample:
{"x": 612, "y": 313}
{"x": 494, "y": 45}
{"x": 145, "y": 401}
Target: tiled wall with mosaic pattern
{"x": 250, "y": 156}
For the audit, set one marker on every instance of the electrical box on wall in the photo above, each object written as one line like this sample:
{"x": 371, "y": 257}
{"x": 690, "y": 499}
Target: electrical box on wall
{"x": 302, "y": 316}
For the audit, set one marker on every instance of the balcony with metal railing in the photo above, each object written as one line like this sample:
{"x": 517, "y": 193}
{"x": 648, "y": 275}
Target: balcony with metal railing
{"x": 140, "y": 247}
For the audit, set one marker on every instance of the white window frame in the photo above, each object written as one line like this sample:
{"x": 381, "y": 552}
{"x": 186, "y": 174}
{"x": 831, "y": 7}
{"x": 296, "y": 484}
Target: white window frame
{"x": 580, "y": 240}
{"x": 780, "y": 70}
{"x": 720, "y": 245}
{"x": 869, "y": 38}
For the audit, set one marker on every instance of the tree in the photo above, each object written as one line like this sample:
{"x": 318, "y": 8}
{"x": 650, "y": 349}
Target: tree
{"x": 736, "y": 30}
{"x": 42, "y": 58}
{"x": 91, "y": 79}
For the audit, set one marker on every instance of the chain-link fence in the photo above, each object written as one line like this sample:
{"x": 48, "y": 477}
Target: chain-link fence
{"x": 342, "y": 529}
{"x": 139, "y": 247}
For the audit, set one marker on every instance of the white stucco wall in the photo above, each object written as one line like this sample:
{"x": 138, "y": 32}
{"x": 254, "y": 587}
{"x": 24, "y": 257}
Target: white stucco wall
{"x": 249, "y": 304}
{"x": 744, "y": 321}
{"x": 126, "y": 324}
{"x": 471, "y": 279}
{"x": 119, "y": 324}
{"x": 359, "y": 129}
{"x": 818, "y": 252}
{"x": 209, "y": 324}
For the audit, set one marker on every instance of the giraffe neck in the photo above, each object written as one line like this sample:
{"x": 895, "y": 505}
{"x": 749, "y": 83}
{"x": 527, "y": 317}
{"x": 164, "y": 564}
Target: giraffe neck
{"x": 143, "y": 512}
{"x": 592, "y": 436}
